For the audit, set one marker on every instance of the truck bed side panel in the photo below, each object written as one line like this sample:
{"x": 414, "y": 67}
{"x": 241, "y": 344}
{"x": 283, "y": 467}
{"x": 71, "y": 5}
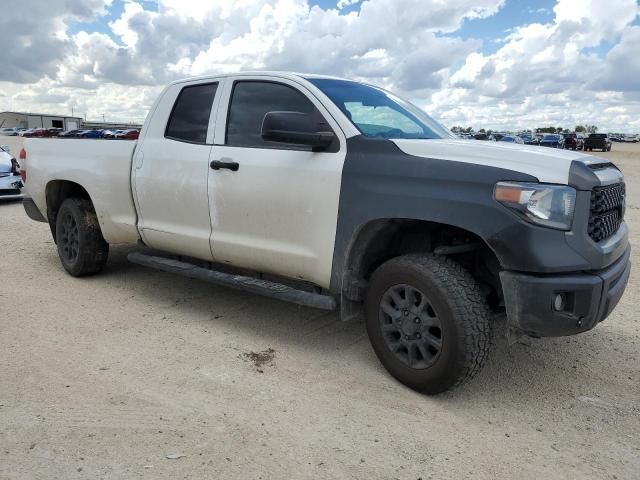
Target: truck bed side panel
{"x": 101, "y": 167}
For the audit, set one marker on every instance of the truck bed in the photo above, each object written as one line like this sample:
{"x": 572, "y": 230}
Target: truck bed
{"x": 101, "y": 167}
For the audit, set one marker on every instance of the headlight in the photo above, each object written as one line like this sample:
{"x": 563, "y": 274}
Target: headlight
{"x": 547, "y": 205}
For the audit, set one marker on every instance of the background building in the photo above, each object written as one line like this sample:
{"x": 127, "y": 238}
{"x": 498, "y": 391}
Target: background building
{"x": 38, "y": 120}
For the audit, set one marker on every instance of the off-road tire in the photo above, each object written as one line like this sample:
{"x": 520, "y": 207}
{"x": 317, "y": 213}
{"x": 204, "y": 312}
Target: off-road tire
{"x": 459, "y": 305}
{"x": 81, "y": 246}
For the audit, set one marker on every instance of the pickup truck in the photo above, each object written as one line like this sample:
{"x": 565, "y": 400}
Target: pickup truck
{"x": 339, "y": 195}
{"x": 599, "y": 141}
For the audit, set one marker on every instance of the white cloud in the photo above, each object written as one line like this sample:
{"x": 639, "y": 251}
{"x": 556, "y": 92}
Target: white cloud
{"x": 342, "y": 4}
{"x": 34, "y": 35}
{"x": 544, "y": 72}
{"x": 549, "y": 73}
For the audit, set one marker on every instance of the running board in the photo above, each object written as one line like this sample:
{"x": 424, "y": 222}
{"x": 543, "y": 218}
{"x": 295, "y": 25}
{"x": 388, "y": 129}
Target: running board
{"x": 239, "y": 282}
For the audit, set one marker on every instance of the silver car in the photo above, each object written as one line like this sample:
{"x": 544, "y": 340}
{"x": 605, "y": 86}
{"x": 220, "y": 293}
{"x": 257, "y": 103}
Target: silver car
{"x": 10, "y": 181}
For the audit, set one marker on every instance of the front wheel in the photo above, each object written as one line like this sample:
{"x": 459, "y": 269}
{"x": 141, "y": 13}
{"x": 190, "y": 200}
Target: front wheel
{"x": 428, "y": 322}
{"x": 81, "y": 247}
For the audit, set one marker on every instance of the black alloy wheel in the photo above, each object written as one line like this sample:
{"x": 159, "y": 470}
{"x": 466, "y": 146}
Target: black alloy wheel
{"x": 69, "y": 237}
{"x": 411, "y": 328}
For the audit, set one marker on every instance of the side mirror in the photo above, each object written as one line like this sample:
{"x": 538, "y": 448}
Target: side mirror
{"x": 296, "y": 128}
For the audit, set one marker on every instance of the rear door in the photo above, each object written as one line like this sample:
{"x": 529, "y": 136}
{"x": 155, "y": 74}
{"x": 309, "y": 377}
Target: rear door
{"x": 278, "y": 211}
{"x": 171, "y": 169}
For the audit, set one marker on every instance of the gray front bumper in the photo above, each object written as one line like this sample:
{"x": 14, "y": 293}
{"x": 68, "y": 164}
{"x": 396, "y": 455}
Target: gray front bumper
{"x": 590, "y": 298}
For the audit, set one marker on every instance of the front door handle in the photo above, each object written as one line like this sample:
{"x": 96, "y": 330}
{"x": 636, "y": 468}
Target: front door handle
{"x": 219, "y": 164}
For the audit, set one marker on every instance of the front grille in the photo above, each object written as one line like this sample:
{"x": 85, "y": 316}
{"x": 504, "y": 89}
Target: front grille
{"x": 607, "y": 211}
{"x": 9, "y": 191}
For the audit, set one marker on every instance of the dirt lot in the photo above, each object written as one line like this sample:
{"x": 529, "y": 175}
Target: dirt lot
{"x": 107, "y": 377}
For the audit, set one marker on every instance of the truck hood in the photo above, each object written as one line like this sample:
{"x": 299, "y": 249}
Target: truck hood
{"x": 548, "y": 165}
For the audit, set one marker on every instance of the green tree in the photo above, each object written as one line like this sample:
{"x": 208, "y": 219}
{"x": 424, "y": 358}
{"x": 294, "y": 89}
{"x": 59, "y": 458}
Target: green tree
{"x": 580, "y": 128}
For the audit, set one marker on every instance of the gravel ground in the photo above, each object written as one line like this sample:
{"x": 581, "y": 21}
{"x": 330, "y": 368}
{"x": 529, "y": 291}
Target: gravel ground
{"x": 140, "y": 374}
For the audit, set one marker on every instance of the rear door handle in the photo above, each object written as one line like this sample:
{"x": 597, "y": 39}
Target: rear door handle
{"x": 220, "y": 164}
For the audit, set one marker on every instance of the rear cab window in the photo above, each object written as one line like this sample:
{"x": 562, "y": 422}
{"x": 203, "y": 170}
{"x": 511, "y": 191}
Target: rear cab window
{"x": 189, "y": 119}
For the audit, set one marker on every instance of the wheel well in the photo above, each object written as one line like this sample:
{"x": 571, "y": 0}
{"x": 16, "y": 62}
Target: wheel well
{"x": 382, "y": 240}
{"x": 58, "y": 191}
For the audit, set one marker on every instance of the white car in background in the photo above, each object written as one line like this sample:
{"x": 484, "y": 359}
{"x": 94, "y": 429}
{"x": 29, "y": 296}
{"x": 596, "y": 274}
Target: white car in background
{"x": 9, "y": 131}
{"x": 10, "y": 180}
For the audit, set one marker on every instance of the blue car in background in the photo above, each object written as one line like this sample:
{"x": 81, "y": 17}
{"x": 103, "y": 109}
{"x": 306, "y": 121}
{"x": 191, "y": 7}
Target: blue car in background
{"x": 552, "y": 140}
{"x": 90, "y": 134}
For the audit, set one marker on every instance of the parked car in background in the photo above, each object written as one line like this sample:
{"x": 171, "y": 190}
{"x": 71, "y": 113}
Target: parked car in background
{"x": 529, "y": 139}
{"x": 68, "y": 134}
{"x": 129, "y": 135}
{"x": 111, "y": 133}
{"x": 552, "y": 140}
{"x": 484, "y": 136}
{"x": 90, "y": 134}
{"x": 10, "y": 181}
{"x": 599, "y": 141}
{"x": 9, "y": 131}
{"x": 512, "y": 139}
{"x": 38, "y": 132}
{"x": 573, "y": 141}
{"x": 498, "y": 135}
{"x": 25, "y": 132}
{"x": 54, "y": 132}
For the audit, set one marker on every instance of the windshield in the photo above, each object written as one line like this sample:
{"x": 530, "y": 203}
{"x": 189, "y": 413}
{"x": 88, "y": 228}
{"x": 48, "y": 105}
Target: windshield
{"x": 550, "y": 137}
{"x": 379, "y": 114}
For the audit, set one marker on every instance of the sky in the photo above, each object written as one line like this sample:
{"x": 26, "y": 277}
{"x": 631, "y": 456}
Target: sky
{"x": 500, "y": 64}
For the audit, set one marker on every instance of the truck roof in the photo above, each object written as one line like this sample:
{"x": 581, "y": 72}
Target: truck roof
{"x": 275, "y": 73}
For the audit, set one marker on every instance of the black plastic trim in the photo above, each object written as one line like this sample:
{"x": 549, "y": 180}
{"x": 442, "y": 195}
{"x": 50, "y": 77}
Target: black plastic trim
{"x": 380, "y": 181}
{"x": 259, "y": 286}
{"x": 590, "y": 298}
{"x": 32, "y": 211}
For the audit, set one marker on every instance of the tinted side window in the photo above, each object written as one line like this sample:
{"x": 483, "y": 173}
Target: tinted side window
{"x": 251, "y": 101}
{"x": 189, "y": 119}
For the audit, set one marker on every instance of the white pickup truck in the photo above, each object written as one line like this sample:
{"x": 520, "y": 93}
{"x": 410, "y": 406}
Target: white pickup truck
{"x": 339, "y": 195}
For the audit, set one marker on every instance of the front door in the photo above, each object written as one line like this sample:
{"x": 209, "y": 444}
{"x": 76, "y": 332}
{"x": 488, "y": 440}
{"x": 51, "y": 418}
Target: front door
{"x": 278, "y": 211}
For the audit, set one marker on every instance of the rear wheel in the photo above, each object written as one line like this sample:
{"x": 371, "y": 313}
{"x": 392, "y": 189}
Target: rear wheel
{"x": 81, "y": 247}
{"x": 428, "y": 322}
